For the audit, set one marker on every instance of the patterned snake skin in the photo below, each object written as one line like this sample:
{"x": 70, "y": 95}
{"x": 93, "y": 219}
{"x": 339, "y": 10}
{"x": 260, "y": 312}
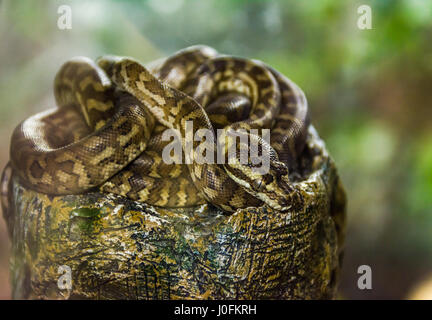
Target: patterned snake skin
{"x": 106, "y": 131}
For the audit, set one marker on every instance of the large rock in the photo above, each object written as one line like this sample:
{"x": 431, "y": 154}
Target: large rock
{"x": 121, "y": 249}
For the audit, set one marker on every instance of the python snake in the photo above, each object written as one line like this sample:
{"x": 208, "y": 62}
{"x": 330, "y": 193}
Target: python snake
{"x": 106, "y": 131}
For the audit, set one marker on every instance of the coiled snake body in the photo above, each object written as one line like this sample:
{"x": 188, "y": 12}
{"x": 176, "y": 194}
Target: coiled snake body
{"x": 107, "y": 130}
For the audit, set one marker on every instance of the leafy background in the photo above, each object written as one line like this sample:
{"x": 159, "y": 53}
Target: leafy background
{"x": 369, "y": 92}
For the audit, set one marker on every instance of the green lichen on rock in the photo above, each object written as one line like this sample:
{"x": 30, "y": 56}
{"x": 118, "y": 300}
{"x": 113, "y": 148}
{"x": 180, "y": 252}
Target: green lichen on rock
{"x": 121, "y": 249}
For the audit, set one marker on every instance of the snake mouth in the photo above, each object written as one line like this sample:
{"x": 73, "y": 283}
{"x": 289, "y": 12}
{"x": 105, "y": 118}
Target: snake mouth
{"x": 284, "y": 199}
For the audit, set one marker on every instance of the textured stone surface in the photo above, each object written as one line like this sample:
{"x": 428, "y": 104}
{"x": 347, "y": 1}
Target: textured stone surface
{"x": 120, "y": 249}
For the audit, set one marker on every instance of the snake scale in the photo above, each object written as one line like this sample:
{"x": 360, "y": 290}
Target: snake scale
{"x": 106, "y": 132}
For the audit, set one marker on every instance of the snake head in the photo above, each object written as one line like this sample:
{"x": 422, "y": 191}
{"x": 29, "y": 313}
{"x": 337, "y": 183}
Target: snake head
{"x": 276, "y": 187}
{"x": 273, "y": 187}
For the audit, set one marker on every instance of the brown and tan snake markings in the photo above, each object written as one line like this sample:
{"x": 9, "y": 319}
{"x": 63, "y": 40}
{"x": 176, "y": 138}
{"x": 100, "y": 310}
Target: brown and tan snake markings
{"x": 107, "y": 128}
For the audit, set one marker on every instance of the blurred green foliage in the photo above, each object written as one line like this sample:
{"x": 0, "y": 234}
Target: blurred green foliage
{"x": 368, "y": 90}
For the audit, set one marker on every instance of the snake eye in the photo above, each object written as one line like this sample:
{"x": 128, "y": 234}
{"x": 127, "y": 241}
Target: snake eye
{"x": 279, "y": 168}
{"x": 258, "y": 184}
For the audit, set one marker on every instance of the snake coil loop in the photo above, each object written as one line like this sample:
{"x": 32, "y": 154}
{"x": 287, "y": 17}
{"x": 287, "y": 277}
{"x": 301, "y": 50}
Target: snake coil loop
{"x": 107, "y": 130}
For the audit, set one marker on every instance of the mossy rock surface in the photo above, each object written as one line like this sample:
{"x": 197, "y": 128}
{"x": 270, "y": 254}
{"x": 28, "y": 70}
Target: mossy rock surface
{"x": 121, "y": 249}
